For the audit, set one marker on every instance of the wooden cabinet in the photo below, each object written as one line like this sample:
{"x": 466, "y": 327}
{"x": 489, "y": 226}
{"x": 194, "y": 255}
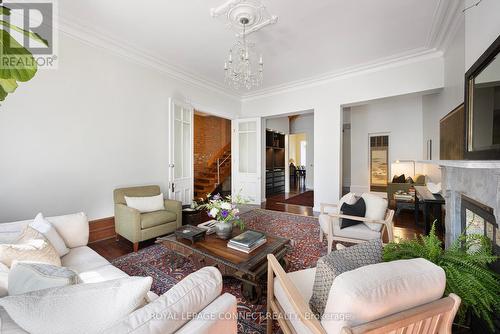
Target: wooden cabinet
{"x": 275, "y": 163}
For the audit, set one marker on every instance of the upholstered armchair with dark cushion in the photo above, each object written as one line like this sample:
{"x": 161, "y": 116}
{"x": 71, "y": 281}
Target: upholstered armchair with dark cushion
{"x": 135, "y": 226}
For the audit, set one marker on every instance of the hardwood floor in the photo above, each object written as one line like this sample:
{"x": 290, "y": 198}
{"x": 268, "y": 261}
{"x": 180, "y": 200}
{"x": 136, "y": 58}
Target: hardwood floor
{"x": 111, "y": 249}
{"x": 275, "y": 203}
{"x": 404, "y": 227}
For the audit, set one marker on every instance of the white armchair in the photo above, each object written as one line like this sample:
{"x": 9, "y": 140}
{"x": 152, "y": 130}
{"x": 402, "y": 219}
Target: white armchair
{"x": 359, "y": 305}
{"x": 377, "y": 220}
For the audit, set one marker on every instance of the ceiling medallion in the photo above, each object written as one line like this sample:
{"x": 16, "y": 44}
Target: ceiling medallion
{"x": 243, "y": 67}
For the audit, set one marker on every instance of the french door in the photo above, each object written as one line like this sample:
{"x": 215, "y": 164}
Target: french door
{"x": 181, "y": 151}
{"x": 246, "y": 148}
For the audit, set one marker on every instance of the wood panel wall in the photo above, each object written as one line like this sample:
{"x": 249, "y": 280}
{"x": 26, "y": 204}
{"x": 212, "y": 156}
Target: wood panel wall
{"x": 452, "y": 135}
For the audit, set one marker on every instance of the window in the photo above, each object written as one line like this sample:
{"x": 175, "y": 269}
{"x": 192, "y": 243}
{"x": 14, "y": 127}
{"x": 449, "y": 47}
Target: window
{"x": 379, "y": 158}
{"x": 303, "y": 150}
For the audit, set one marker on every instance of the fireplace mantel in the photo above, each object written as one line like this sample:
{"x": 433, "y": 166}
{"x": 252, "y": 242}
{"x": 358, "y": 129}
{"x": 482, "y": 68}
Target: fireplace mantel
{"x": 480, "y": 164}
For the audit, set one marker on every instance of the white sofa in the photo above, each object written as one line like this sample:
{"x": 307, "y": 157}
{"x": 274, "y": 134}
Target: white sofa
{"x": 93, "y": 268}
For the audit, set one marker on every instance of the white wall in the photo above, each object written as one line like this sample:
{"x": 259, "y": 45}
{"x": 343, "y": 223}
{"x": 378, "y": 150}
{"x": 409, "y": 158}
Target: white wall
{"x": 280, "y": 124}
{"x": 346, "y": 147}
{"x": 482, "y": 27}
{"x": 305, "y": 124}
{"x": 72, "y": 135}
{"x": 400, "y": 118}
{"x": 436, "y": 106}
{"x": 326, "y": 99}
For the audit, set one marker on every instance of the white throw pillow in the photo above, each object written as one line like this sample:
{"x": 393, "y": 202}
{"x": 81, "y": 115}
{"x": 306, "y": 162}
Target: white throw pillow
{"x": 27, "y": 276}
{"x": 43, "y": 226}
{"x": 324, "y": 219}
{"x": 168, "y": 312}
{"x": 80, "y": 308}
{"x": 73, "y": 228}
{"x": 31, "y": 246}
{"x": 146, "y": 204}
{"x": 379, "y": 290}
{"x": 376, "y": 207}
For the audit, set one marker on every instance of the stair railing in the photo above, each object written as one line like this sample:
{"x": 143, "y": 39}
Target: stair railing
{"x": 219, "y": 153}
{"x": 219, "y": 164}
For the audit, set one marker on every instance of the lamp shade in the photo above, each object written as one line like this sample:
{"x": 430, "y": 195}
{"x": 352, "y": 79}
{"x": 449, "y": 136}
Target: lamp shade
{"x": 406, "y": 167}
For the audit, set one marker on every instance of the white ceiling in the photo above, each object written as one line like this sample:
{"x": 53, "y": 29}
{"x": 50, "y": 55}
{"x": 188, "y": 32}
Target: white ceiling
{"x": 311, "y": 37}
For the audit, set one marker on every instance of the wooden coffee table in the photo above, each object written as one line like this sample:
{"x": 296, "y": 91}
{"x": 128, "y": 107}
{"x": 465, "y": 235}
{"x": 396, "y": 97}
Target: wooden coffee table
{"x": 248, "y": 268}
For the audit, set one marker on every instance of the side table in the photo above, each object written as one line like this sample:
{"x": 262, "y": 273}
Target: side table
{"x": 190, "y": 216}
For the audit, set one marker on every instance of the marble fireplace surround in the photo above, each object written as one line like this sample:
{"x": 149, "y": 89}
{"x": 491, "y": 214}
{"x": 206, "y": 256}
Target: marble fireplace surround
{"x": 479, "y": 180}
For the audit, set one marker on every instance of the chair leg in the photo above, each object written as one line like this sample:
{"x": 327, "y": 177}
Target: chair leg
{"x": 320, "y": 235}
{"x": 136, "y": 247}
{"x": 330, "y": 243}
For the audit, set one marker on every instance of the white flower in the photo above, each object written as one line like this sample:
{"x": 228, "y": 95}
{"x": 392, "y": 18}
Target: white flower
{"x": 214, "y": 212}
{"x": 226, "y": 206}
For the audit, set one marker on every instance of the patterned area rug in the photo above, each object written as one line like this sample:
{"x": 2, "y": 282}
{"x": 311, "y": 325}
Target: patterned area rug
{"x": 305, "y": 250}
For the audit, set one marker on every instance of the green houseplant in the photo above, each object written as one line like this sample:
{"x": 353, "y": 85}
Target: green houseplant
{"x": 465, "y": 263}
{"x": 22, "y": 65}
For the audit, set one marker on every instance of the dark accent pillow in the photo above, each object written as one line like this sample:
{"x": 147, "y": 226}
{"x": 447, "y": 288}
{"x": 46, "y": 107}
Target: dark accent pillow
{"x": 399, "y": 179}
{"x": 409, "y": 180}
{"x": 338, "y": 262}
{"x": 357, "y": 209}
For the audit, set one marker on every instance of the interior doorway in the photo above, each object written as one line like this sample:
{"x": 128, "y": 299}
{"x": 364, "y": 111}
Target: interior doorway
{"x": 289, "y": 163}
{"x": 297, "y": 160}
{"x": 211, "y": 155}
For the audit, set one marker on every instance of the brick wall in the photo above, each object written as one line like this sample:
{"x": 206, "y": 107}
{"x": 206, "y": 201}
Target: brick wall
{"x": 210, "y": 135}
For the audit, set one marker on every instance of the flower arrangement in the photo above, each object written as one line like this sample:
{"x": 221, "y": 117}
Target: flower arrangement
{"x": 224, "y": 209}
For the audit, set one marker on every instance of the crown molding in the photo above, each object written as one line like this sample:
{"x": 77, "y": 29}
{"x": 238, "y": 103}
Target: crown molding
{"x": 446, "y": 21}
{"x": 99, "y": 39}
{"x": 412, "y": 56}
{"x": 447, "y": 18}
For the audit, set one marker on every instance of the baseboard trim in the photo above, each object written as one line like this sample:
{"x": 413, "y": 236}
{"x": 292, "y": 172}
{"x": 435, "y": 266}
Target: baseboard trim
{"x": 102, "y": 229}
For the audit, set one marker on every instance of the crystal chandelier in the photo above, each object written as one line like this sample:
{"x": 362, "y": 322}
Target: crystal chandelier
{"x": 242, "y": 69}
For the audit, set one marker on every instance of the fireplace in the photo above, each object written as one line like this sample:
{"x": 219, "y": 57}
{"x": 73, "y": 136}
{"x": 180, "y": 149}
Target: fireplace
{"x": 478, "y": 218}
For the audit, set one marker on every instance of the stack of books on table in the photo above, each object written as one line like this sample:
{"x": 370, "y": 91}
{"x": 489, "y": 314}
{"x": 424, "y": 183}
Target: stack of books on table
{"x": 247, "y": 241}
{"x": 404, "y": 197}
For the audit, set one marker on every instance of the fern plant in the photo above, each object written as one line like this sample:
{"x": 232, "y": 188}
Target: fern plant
{"x": 465, "y": 263}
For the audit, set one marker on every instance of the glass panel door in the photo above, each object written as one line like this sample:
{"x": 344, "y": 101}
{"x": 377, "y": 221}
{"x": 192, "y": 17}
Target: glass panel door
{"x": 247, "y": 159}
{"x": 181, "y": 152}
{"x": 379, "y": 162}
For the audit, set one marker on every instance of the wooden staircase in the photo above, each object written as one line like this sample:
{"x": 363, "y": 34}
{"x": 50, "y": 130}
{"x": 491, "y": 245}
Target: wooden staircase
{"x": 216, "y": 172}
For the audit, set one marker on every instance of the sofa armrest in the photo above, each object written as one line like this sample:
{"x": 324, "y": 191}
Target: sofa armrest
{"x": 220, "y": 316}
{"x": 176, "y": 207}
{"x": 128, "y": 222}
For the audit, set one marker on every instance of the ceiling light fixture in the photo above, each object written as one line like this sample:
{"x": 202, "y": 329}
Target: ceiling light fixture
{"x": 242, "y": 70}
{"x": 244, "y": 67}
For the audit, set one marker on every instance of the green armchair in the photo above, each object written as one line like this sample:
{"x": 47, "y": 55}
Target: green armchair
{"x": 136, "y": 226}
